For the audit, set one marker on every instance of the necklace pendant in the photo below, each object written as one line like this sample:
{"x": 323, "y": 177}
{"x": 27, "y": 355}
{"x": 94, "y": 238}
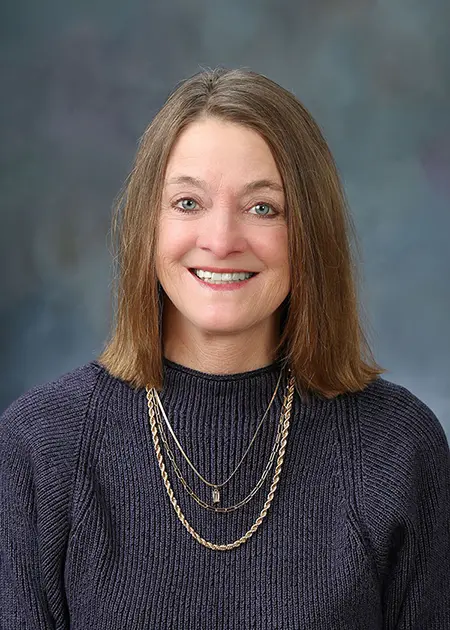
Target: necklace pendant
{"x": 216, "y": 495}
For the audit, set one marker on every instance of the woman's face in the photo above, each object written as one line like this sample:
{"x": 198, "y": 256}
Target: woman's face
{"x": 222, "y": 213}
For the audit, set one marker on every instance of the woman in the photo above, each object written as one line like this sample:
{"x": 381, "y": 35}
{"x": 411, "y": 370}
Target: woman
{"x": 233, "y": 459}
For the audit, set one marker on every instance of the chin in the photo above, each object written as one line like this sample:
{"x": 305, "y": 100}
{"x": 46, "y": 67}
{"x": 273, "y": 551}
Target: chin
{"x": 220, "y": 325}
{"x": 217, "y": 328}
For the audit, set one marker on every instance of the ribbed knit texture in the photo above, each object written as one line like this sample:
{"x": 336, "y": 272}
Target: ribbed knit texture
{"x": 357, "y": 537}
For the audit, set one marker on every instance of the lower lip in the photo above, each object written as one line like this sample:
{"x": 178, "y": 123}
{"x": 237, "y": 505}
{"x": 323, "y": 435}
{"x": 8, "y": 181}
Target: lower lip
{"x": 225, "y": 286}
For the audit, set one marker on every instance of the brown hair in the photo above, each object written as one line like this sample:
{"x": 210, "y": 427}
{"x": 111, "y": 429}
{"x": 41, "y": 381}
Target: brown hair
{"x": 321, "y": 337}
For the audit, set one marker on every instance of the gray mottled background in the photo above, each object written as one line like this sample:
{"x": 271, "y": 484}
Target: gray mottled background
{"x": 80, "y": 81}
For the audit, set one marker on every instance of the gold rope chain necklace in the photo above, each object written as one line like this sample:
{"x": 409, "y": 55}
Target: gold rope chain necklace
{"x": 215, "y": 486}
{"x": 190, "y": 490}
{"x": 286, "y": 413}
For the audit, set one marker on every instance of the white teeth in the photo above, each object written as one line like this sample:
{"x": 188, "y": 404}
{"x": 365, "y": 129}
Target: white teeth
{"x": 220, "y": 278}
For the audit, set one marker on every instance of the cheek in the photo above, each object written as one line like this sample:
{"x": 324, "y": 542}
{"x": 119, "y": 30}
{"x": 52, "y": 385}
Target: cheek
{"x": 174, "y": 241}
{"x": 272, "y": 249}
{"x": 277, "y": 253}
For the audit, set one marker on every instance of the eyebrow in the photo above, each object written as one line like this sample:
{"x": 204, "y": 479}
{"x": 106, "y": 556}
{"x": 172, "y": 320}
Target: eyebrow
{"x": 250, "y": 187}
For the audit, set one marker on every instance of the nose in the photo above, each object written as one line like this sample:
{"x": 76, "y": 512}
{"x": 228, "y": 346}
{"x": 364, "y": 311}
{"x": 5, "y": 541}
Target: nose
{"x": 221, "y": 232}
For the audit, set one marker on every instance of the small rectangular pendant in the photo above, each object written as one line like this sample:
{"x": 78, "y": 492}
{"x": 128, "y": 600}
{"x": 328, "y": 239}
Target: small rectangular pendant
{"x": 216, "y": 495}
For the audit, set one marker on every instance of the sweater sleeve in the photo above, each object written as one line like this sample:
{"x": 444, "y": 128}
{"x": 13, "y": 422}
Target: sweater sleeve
{"x": 406, "y": 464}
{"x": 39, "y": 435}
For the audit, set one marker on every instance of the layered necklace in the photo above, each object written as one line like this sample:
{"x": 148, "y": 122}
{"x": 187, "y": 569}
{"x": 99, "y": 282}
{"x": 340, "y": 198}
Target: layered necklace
{"x": 156, "y": 413}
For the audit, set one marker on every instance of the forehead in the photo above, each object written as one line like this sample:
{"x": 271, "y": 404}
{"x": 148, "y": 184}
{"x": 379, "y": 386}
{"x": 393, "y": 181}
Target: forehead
{"x": 212, "y": 148}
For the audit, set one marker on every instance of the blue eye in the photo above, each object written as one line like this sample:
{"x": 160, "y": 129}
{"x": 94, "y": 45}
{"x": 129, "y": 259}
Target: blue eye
{"x": 263, "y": 210}
{"x": 187, "y": 204}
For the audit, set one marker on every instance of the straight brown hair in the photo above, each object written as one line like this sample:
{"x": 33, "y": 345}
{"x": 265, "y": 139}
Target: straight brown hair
{"x": 321, "y": 336}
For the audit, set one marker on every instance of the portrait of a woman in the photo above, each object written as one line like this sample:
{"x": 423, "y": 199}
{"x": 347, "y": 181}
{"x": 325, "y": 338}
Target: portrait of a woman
{"x": 234, "y": 458}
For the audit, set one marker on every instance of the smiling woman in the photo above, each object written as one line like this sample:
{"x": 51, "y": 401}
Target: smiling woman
{"x": 234, "y": 174}
{"x": 233, "y": 459}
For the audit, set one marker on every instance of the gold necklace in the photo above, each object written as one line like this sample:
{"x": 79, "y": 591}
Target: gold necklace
{"x": 190, "y": 490}
{"x": 276, "y": 477}
{"x": 214, "y": 486}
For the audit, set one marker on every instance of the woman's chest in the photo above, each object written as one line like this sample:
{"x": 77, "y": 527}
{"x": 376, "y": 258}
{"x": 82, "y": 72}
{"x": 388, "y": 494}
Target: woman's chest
{"x": 131, "y": 562}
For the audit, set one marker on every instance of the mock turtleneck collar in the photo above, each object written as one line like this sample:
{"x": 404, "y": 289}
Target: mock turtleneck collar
{"x": 172, "y": 365}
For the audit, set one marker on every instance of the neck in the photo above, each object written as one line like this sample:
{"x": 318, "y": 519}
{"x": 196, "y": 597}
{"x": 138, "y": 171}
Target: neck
{"x": 213, "y": 353}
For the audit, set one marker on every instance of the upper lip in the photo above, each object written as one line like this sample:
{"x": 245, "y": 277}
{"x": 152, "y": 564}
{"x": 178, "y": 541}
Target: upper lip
{"x": 227, "y": 270}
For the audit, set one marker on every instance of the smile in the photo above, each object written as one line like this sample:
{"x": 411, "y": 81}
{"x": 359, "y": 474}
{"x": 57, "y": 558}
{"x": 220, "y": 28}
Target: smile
{"x": 213, "y": 277}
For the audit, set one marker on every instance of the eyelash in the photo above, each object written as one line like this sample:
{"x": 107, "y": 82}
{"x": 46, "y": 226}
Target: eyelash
{"x": 259, "y": 203}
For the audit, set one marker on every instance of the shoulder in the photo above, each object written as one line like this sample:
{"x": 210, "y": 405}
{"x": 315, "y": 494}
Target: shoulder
{"x": 40, "y": 436}
{"x": 403, "y": 486}
{"x": 53, "y": 412}
{"x": 405, "y": 457}
{"x": 394, "y": 418}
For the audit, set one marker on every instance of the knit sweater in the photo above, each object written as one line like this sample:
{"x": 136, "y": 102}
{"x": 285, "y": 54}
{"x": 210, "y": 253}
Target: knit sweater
{"x": 357, "y": 536}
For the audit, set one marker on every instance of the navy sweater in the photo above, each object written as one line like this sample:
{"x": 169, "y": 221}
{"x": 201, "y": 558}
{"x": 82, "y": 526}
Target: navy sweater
{"x": 357, "y": 537}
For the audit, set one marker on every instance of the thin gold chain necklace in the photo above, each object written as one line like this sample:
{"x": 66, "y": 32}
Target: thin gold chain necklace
{"x": 214, "y": 486}
{"x": 190, "y": 490}
{"x": 276, "y": 477}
